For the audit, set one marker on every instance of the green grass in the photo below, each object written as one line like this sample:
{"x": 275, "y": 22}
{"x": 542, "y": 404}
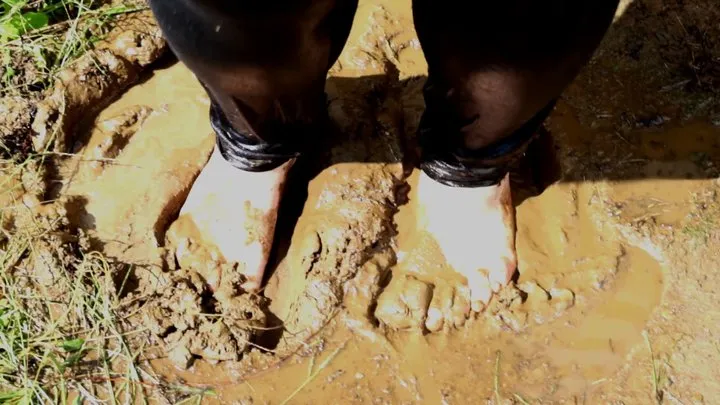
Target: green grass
{"x": 66, "y": 341}
{"x": 703, "y": 220}
{"x": 40, "y": 37}
{"x": 656, "y": 376}
{"x": 69, "y": 344}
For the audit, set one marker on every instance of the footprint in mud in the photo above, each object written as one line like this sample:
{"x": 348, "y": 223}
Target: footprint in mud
{"x": 340, "y": 249}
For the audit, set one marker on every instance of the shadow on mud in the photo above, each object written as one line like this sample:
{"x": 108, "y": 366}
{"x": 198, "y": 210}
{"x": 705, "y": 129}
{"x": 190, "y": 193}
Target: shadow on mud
{"x": 647, "y": 106}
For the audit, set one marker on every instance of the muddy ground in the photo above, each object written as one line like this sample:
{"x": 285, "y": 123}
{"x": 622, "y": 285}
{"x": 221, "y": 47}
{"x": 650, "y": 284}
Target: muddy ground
{"x": 617, "y": 211}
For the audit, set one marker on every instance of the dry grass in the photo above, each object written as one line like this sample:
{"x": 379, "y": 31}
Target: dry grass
{"x": 656, "y": 376}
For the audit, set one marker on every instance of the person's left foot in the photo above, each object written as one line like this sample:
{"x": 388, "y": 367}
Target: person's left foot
{"x": 474, "y": 229}
{"x": 229, "y": 220}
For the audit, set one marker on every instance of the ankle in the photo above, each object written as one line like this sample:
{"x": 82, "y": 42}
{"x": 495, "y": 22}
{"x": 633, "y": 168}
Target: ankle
{"x": 487, "y": 194}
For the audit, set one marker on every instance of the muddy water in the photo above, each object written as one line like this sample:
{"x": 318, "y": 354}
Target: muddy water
{"x": 566, "y": 326}
{"x": 591, "y": 299}
{"x": 136, "y": 164}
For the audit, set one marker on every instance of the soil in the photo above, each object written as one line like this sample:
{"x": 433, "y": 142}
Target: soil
{"x": 615, "y": 300}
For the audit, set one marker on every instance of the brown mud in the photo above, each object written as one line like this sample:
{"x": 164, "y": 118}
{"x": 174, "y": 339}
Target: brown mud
{"x": 617, "y": 211}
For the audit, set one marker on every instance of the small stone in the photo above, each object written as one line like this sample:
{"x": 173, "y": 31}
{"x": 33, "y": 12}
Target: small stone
{"x": 359, "y": 376}
{"x": 180, "y": 356}
{"x": 332, "y": 377}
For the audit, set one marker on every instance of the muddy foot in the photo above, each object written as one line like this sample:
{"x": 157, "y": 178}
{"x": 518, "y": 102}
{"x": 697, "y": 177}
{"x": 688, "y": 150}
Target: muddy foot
{"x": 231, "y": 214}
{"x": 424, "y": 292}
{"x": 473, "y": 231}
{"x": 409, "y": 303}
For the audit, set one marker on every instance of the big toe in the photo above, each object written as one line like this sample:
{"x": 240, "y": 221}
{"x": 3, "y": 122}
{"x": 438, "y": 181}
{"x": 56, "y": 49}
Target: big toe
{"x": 439, "y": 309}
{"x": 449, "y": 308}
{"x": 404, "y": 303}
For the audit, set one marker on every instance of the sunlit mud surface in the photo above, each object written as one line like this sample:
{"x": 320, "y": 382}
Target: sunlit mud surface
{"x": 609, "y": 243}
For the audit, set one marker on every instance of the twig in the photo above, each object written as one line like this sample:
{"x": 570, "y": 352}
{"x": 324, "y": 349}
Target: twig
{"x": 521, "y": 399}
{"x": 497, "y": 378}
{"x": 655, "y": 375}
{"x": 313, "y": 375}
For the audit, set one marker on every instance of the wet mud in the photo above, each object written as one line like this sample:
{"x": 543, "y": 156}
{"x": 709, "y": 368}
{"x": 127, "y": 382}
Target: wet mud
{"x": 615, "y": 216}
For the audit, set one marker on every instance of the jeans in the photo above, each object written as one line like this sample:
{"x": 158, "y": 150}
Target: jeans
{"x": 495, "y": 69}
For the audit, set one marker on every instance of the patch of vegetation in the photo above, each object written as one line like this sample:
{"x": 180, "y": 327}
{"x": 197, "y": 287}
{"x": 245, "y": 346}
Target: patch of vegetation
{"x": 60, "y": 338}
{"x": 656, "y": 374}
{"x": 40, "y": 37}
{"x": 61, "y": 316}
{"x": 63, "y": 336}
{"x": 702, "y": 222}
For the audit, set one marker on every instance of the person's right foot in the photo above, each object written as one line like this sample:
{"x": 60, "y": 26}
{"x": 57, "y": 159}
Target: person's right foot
{"x": 473, "y": 230}
{"x": 231, "y": 212}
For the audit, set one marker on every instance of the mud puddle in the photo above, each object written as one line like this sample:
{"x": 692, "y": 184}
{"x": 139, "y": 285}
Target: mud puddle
{"x": 636, "y": 138}
{"x": 565, "y": 328}
{"x": 571, "y": 322}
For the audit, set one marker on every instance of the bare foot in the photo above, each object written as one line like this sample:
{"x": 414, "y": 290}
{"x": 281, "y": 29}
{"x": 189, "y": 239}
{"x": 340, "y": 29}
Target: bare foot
{"x": 231, "y": 213}
{"x": 474, "y": 229}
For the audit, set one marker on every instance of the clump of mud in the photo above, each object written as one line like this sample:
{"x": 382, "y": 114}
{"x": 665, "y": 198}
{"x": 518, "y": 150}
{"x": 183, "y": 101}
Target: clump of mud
{"x": 194, "y": 322}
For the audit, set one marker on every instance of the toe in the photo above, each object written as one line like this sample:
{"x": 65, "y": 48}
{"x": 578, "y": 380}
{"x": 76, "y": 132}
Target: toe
{"x": 480, "y": 291}
{"x": 461, "y": 306}
{"x": 438, "y": 314}
{"x": 502, "y": 272}
{"x": 404, "y": 303}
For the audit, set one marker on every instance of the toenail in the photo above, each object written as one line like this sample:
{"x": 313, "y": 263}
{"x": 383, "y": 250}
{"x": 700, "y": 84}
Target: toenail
{"x": 434, "y": 319}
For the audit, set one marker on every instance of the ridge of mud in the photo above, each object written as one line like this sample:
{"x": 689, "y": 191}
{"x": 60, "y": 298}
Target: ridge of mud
{"x": 83, "y": 88}
{"x": 344, "y": 231}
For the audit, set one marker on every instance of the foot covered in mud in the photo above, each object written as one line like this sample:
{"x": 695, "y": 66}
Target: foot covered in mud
{"x": 473, "y": 229}
{"x": 230, "y": 216}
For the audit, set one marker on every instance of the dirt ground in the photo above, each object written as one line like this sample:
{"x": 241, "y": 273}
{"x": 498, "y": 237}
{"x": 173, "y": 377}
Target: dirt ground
{"x": 617, "y": 213}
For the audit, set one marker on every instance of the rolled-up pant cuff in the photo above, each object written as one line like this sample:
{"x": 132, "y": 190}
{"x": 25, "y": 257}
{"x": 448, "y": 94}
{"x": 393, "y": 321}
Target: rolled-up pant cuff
{"x": 458, "y": 166}
{"x": 247, "y": 152}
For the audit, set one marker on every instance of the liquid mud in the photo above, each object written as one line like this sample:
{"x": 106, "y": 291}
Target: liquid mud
{"x": 568, "y": 327}
{"x": 581, "y": 303}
